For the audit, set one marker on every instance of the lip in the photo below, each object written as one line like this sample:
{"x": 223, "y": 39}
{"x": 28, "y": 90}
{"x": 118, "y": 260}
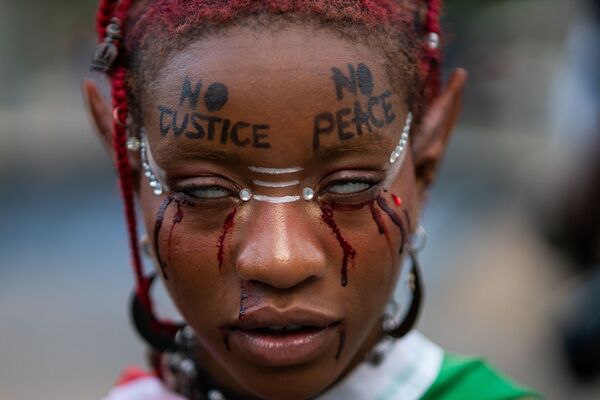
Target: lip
{"x": 286, "y": 348}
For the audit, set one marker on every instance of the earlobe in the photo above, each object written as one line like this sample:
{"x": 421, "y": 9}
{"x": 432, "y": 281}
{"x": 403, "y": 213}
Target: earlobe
{"x": 437, "y": 124}
{"x": 99, "y": 112}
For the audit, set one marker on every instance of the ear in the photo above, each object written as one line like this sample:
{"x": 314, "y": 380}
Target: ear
{"x": 436, "y": 127}
{"x": 100, "y": 114}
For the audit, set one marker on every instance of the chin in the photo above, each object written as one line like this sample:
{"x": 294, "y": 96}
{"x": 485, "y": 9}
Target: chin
{"x": 289, "y": 383}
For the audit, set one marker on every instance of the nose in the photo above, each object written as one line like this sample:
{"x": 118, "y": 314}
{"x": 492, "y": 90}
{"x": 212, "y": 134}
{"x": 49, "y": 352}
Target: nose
{"x": 281, "y": 247}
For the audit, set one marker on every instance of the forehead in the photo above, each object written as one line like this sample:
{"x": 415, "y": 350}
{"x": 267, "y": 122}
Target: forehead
{"x": 282, "y": 80}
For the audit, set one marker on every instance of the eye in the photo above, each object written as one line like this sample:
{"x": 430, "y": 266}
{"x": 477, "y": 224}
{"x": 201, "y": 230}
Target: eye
{"x": 206, "y": 192}
{"x": 348, "y": 187}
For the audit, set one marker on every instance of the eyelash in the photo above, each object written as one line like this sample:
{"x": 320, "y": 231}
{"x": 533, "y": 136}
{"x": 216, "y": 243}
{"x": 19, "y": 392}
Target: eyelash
{"x": 342, "y": 182}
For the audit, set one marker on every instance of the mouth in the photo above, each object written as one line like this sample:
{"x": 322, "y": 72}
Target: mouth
{"x": 277, "y": 339}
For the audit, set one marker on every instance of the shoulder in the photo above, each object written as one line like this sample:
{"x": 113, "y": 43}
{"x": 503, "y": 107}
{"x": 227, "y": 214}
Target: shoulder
{"x": 473, "y": 378}
{"x": 135, "y": 384}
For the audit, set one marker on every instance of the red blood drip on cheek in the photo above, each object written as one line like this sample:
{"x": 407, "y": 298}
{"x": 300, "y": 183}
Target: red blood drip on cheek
{"x": 395, "y": 219}
{"x": 227, "y": 226}
{"x": 377, "y": 218}
{"x": 160, "y": 216}
{"x": 177, "y": 218}
{"x": 397, "y": 200}
{"x": 348, "y": 250}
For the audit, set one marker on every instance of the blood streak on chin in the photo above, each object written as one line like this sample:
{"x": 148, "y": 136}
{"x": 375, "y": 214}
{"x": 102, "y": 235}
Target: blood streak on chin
{"x": 348, "y": 250}
{"x": 227, "y": 226}
{"x": 225, "y": 335}
{"x": 160, "y": 216}
{"x": 341, "y": 343}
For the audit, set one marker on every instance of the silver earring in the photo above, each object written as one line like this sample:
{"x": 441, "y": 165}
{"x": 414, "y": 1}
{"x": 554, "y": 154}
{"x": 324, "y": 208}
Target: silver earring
{"x": 392, "y": 318}
{"x": 418, "y": 240}
{"x": 395, "y": 155}
{"x": 433, "y": 40}
{"x": 392, "y": 315}
{"x": 181, "y": 368}
{"x": 182, "y": 374}
{"x": 145, "y": 246}
{"x": 152, "y": 181}
{"x": 133, "y": 144}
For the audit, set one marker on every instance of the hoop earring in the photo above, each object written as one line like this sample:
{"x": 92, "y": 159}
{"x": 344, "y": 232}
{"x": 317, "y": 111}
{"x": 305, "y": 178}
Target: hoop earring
{"x": 393, "y": 323}
{"x": 145, "y": 246}
{"x": 159, "y": 336}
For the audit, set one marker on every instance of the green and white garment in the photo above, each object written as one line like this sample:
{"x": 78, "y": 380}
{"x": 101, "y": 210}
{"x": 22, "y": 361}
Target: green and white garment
{"x": 416, "y": 368}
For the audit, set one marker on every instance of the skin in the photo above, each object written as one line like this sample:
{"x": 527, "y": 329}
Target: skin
{"x": 290, "y": 256}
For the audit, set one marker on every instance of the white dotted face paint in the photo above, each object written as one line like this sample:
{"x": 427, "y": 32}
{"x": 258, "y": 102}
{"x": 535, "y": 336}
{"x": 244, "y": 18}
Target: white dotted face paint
{"x": 276, "y": 199}
{"x": 399, "y": 150}
{"x": 276, "y": 184}
{"x": 276, "y": 171}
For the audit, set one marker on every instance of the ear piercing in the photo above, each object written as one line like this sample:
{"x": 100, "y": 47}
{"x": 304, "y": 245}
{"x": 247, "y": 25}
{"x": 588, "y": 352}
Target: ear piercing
{"x": 403, "y": 140}
{"x": 133, "y": 144}
{"x": 433, "y": 40}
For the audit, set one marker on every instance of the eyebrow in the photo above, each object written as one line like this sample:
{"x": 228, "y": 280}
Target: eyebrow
{"x": 201, "y": 154}
{"x": 367, "y": 143}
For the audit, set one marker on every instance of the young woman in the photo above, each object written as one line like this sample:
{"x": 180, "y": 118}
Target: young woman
{"x": 280, "y": 153}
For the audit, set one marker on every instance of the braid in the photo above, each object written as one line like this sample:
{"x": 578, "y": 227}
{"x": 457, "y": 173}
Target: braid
{"x": 120, "y": 104}
{"x": 432, "y": 60}
{"x": 108, "y": 10}
{"x": 103, "y": 16}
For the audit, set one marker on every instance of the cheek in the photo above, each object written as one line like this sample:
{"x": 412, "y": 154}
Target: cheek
{"x": 188, "y": 257}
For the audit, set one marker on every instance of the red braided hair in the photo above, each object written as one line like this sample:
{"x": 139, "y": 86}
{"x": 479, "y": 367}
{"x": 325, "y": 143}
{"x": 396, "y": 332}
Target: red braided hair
{"x": 432, "y": 60}
{"x": 108, "y": 10}
{"x": 175, "y": 16}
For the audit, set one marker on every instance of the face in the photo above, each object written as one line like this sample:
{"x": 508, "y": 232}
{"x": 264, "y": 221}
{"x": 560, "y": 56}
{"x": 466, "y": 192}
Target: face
{"x": 285, "y": 290}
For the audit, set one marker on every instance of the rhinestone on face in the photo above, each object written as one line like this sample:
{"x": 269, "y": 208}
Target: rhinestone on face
{"x": 245, "y": 195}
{"x": 308, "y": 194}
{"x": 402, "y": 143}
{"x": 158, "y": 191}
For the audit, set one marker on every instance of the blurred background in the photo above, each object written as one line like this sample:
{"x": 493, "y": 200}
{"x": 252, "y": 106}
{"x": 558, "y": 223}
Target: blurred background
{"x": 511, "y": 266}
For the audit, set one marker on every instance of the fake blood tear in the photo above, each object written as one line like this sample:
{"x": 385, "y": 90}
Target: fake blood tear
{"x": 341, "y": 343}
{"x": 376, "y": 214}
{"x": 348, "y": 250}
{"x": 177, "y": 218}
{"x": 160, "y": 216}
{"x": 227, "y": 226}
{"x": 248, "y": 299}
{"x": 395, "y": 219}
